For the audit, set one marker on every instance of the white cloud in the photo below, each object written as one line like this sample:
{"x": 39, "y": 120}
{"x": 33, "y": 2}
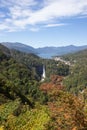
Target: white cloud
{"x": 3, "y": 27}
{"x": 22, "y": 3}
{"x": 58, "y": 9}
{"x": 6, "y": 27}
{"x": 18, "y": 14}
{"x": 34, "y": 29}
{"x": 55, "y": 25}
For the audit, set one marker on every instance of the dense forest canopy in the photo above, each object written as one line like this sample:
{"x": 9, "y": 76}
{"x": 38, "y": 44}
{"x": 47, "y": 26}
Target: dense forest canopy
{"x": 77, "y": 79}
{"x": 56, "y": 103}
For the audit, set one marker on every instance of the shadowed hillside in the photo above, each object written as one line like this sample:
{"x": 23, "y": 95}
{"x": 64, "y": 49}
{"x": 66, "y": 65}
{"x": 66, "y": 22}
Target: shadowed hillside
{"x": 58, "y": 103}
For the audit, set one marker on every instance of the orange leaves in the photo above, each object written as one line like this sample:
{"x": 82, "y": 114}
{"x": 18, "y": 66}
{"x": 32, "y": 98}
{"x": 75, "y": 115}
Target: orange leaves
{"x": 66, "y": 110}
{"x": 54, "y": 85}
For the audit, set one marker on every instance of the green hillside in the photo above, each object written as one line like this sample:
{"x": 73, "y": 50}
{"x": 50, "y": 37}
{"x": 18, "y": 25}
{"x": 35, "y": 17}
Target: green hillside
{"x": 26, "y": 103}
{"x": 77, "y": 79}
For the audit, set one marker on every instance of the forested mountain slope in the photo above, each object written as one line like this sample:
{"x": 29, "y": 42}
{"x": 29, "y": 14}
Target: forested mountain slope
{"x": 19, "y": 46}
{"x": 26, "y": 103}
{"x": 77, "y": 79}
{"x": 44, "y": 52}
{"x": 15, "y": 77}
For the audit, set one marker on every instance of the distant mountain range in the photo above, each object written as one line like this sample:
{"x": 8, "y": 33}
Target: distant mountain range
{"x": 45, "y": 52}
{"x": 19, "y": 46}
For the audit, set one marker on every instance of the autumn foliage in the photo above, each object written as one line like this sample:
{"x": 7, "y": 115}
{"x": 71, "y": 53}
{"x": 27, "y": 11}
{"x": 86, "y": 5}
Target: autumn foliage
{"x": 54, "y": 84}
{"x": 66, "y": 110}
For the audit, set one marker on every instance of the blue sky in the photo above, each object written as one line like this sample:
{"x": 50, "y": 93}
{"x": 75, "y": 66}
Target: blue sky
{"x": 40, "y": 23}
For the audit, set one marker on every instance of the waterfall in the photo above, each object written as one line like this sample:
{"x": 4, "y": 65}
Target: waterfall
{"x": 43, "y": 74}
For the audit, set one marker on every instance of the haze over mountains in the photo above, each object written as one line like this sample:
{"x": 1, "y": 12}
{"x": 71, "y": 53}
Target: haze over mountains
{"x": 44, "y": 52}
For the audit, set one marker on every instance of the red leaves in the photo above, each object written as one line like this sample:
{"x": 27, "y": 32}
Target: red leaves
{"x": 55, "y": 84}
{"x": 66, "y": 110}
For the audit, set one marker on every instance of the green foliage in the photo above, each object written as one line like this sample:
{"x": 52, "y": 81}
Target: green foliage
{"x": 55, "y": 68}
{"x": 19, "y": 78}
{"x": 23, "y": 106}
{"x": 76, "y": 57}
{"x": 7, "y": 109}
{"x": 32, "y": 61}
{"x": 77, "y": 79}
{"x": 34, "y": 119}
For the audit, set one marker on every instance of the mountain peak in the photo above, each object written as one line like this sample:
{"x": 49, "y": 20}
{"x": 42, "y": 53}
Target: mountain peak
{"x": 44, "y": 52}
{"x": 19, "y": 46}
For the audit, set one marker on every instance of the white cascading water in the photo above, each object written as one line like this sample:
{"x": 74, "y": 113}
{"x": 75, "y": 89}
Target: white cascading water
{"x": 43, "y": 74}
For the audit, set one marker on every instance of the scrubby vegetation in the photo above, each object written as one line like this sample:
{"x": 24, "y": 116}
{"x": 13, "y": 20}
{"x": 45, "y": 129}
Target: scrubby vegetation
{"x": 58, "y": 103}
